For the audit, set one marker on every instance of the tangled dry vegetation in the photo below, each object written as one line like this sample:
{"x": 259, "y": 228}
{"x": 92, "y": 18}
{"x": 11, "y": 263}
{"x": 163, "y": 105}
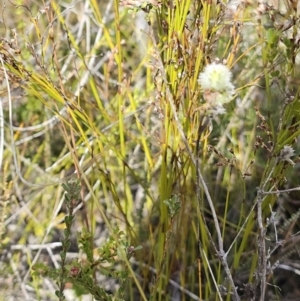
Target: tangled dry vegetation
{"x": 149, "y": 150}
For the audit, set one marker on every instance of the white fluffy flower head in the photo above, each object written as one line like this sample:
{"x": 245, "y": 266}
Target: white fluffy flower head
{"x": 287, "y": 152}
{"x": 215, "y": 81}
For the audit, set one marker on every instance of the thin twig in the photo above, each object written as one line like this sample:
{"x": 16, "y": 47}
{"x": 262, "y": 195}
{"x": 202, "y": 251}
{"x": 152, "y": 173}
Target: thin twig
{"x": 262, "y": 256}
{"x": 280, "y": 191}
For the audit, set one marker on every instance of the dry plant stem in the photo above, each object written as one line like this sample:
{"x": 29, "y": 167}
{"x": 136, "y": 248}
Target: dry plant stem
{"x": 262, "y": 256}
{"x": 210, "y": 270}
{"x": 200, "y": 212}
{"x": 220, "y": 253}
{"x": 280, "y": 191}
